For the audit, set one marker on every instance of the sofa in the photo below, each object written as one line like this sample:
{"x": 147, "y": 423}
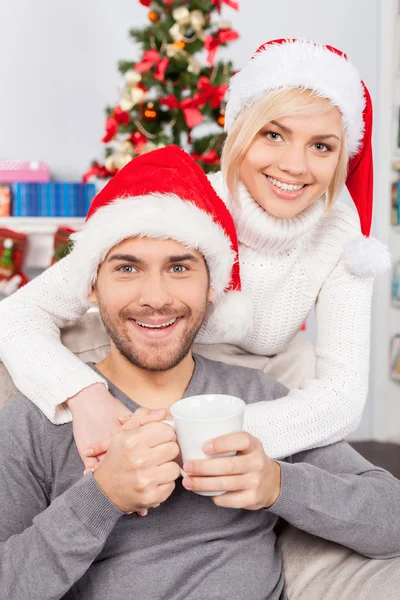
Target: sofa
{"x": 314, "y": 569}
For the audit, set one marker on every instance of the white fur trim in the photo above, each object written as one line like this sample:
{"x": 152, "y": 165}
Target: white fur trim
{"x": 231, "y": 317}
{"x": 306, "y": 65}
{"x": 156, "y": 216}
{"x": 366, "y": 257}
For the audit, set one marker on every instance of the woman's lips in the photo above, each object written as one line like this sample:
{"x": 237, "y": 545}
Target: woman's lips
{"x": 286, "y": 195}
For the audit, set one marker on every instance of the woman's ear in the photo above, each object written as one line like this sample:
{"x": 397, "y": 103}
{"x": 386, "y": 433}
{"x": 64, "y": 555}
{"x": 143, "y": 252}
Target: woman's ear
{"x": 93, "y": 296}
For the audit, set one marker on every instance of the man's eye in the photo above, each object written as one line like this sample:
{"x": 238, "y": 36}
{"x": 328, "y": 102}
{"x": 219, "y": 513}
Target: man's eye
{"x": 178, "y": 269}
{"x": 127, "y": 269}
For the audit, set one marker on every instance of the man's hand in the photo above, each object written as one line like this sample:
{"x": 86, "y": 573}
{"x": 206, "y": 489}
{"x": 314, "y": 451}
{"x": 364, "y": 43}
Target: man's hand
{"x": 138, "y": 471}
{"x": 95, "y": 416}
{"x": 250, "y": 479}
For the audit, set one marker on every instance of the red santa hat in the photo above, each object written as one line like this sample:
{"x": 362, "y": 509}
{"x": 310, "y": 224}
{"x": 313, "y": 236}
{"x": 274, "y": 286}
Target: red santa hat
{"x": 291, "y": 63}
{"x": 164, "y": 194}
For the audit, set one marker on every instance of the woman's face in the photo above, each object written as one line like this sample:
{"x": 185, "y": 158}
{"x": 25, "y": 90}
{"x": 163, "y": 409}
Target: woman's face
{"x": 291, "y": 161}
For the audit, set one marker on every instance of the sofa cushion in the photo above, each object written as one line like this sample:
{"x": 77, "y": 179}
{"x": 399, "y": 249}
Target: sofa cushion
{"x": 316, "y": 569}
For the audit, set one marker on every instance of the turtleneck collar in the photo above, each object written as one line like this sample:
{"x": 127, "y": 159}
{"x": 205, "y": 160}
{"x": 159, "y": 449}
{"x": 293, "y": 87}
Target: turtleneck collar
{"x": 259, "y": 230}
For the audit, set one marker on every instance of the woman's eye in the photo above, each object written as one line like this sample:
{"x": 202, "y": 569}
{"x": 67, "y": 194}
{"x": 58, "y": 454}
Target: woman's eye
{"x": 322, "y": 147}
{"x": 178, "y": 269}
{"x": 127, "y": 269}
{"x": 273, "y": 136}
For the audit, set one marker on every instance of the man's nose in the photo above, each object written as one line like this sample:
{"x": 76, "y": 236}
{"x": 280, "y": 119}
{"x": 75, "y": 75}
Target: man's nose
{"x": 154, "y": 292}
{"x": 293, "y": 160}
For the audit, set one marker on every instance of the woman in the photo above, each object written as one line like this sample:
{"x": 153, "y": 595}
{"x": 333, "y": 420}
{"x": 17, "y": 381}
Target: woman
{"x": 298, "y": 118}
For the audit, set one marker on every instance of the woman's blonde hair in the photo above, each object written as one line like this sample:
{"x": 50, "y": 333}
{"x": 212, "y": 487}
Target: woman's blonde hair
{"x": 277, "y": 104}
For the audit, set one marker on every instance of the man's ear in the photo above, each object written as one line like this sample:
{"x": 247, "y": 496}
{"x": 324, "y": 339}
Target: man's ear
{"x": 93, "y": 296}
{"x": 211, "y": 294}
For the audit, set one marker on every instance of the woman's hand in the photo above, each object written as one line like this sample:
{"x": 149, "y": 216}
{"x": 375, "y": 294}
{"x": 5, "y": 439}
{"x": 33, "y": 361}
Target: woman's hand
{"x": 96, "y": 416}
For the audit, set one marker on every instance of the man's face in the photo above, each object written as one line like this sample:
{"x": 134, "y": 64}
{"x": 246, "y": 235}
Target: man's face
{"x": 152, "y": 296}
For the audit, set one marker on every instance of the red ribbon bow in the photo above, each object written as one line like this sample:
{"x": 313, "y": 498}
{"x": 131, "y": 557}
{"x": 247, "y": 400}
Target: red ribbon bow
{"x": 188, "y": 107}
{"x": 120, "y": 117}
{"x": 96, "y": 170}
{"x": 210, "y": 93}
{"x": 151, "y": 58}
{"x": 212, "y": 43}
{"x": 209, "y": 158}
{"x": 231, "y": 3}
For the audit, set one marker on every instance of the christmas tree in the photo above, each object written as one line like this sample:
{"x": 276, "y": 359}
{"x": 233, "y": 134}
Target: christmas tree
{"x": 176, "y": 86}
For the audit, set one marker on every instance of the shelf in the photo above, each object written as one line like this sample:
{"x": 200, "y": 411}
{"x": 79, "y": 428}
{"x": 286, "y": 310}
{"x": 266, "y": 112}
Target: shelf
{"x": 396, "y": 303}
{"x": 41, "y": 236}
{"x": 395, "y": 377}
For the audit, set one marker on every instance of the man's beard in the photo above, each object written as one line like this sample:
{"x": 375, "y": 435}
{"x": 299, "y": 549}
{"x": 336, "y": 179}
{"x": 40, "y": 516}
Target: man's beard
{"x": 152, "y": 357}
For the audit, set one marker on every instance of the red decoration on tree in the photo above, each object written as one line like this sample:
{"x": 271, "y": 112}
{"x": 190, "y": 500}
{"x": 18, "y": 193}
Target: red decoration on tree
{"x": 188, "y": 107}
{"x": 231, "y": 3}
{"x": 151, "y": 58}
{"x": 97, "y": 170}
{"x": 145, "y": 2}
{"x": 212, "y": 43}
{"x": 210, "y": 93}
{"x": 121, "y": 116}
{"x": 137, "y": 139}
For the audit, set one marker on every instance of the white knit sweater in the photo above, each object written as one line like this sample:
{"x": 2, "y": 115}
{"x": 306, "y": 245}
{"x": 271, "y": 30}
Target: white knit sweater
{"x": 288, "y": 267}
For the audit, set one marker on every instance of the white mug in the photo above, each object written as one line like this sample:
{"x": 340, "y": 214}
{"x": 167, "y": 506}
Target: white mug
{"x": 197, "y": 419}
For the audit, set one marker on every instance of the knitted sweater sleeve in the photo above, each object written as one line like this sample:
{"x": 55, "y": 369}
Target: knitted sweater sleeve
{"x": 42, "y": 368}
{"x": 324, "y": 410}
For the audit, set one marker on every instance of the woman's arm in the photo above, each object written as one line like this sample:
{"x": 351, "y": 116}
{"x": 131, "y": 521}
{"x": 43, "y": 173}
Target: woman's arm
{"x": 324, "y": 410}
{"x": 41, "y": 367}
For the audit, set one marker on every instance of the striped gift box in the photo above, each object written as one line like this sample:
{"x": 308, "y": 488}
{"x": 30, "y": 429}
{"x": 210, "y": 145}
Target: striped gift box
{"x": 53, "y": 199}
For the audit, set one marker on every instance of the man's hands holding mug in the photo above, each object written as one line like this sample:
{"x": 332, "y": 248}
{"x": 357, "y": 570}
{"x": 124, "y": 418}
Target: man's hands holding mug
{"x": 250, "y": 479}
{"x": 139, "y": 469}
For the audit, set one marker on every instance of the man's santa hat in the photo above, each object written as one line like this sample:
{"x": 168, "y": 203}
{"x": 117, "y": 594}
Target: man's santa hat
{"x": 164, "y": 194}
{"x": 290, "y": 63}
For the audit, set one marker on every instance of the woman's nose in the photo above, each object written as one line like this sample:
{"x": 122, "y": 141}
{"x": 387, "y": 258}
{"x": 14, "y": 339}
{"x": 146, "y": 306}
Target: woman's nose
{"x": 293, "y": 161}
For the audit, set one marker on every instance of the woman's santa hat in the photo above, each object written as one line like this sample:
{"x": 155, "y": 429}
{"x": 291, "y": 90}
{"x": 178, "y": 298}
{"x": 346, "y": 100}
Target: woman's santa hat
{"x": 164, "y": 194}
{"x": 290, "y": 63}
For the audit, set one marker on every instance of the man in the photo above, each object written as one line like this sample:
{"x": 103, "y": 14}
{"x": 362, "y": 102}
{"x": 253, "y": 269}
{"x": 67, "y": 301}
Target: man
{"x": 67, "y": 536}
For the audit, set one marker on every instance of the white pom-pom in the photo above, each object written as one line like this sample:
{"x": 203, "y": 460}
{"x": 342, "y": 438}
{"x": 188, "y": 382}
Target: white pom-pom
{"x": 366, "y": 257}
{"x": 231, "y": 317}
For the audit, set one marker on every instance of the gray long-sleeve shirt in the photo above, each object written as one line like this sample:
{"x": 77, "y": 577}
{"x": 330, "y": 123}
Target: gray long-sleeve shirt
{"x": 60, "y": 536}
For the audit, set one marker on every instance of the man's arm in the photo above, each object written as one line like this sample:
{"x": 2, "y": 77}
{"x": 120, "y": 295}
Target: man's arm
{"x": 336, "y": 494}
{"x": 44, "y": 549}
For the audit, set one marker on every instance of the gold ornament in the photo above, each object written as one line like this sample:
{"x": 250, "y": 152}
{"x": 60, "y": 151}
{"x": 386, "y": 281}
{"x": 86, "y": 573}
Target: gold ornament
{"x": 125, "y": 148}
{"x": 224, "y": 24}
{"x": 131, "y": 94}
{"x": 154, "y": 16}
{"x": 197, "y": 21}
{"x": 133, "y": 78}
{"x": 171, "y": 50}
{"x": 184, "y": 19}
{"x": 181, "y": 15}
{"x": 117, "y": 161}
{"x": 193, "y": 66}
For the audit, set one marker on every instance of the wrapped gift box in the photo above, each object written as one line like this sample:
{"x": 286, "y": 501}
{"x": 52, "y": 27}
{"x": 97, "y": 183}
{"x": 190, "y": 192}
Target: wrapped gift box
{"x": 53, "y": 199}
{"x": 17, "y": 170}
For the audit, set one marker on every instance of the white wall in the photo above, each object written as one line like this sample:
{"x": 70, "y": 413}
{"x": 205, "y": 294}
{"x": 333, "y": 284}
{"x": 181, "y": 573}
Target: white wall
{"x": 58, "y": 68}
